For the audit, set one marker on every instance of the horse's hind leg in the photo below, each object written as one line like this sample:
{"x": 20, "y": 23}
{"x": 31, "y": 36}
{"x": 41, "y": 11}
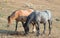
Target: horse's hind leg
{"x": 16, "y": 25}
{"x": 50, "y": 23}
{"x": 44, "y": 28}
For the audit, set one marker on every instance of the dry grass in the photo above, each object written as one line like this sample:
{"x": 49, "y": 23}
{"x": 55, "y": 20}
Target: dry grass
{"x": 8, "y": 6}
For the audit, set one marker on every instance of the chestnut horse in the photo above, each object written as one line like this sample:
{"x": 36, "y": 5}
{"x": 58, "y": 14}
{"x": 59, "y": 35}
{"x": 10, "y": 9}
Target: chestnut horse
{"x": 19, "y": 15}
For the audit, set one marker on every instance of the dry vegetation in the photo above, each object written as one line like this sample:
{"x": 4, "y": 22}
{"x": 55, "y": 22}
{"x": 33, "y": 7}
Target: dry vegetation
{"x": 8, "y": 6}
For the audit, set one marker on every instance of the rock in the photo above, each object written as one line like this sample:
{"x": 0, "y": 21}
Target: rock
{"x": 57, "y": 19}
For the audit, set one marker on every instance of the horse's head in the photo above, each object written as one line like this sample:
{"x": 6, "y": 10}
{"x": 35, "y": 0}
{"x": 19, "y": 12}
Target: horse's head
{"x": 9, "y": 21}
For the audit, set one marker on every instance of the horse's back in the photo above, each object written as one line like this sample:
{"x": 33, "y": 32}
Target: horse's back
{"x": 24, "y": 12}
{"x": 42, "y": 16}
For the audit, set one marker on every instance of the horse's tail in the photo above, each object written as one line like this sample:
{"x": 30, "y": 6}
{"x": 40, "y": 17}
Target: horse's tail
{"x": 8, "y": 18}
{"x": 49, "y": 14}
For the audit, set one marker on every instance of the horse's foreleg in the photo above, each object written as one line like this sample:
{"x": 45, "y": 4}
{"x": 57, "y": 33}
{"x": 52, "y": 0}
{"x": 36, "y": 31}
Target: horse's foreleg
{"x": 44, "y": 28}
{"x": 16, "y": 25}
{"x": 22, "y": 23}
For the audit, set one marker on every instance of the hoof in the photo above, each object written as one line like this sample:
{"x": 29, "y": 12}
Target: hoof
{"x": 49, "y": 34}
{"x": 33, "y": 32}
{"x": 37, "y": 34}
{"x": 25, "y": 34}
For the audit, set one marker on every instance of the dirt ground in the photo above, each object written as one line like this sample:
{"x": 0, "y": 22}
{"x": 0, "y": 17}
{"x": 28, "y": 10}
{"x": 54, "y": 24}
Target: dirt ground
{"x": 8, "y": 6}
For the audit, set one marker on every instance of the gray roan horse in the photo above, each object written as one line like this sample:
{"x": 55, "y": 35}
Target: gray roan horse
{"x": 38, "y": 17}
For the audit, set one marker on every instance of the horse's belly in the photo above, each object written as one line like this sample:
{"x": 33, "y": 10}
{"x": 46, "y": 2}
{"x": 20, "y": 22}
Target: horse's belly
{"x": 22, "y": 18}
